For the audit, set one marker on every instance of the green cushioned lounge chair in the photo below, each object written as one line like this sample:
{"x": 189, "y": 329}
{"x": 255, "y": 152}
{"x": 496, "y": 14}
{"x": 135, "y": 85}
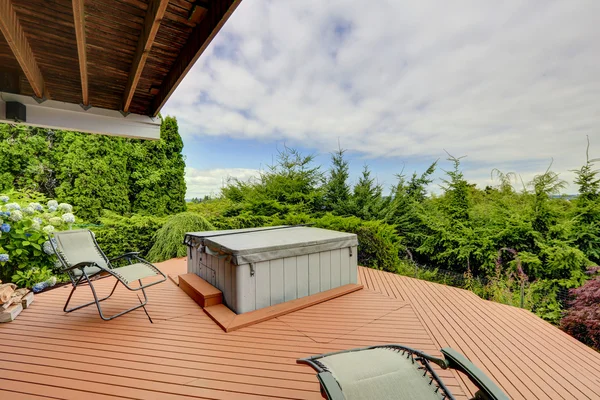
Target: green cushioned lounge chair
{"x": 394, "y": 372}
{"x": 82, "y": 259}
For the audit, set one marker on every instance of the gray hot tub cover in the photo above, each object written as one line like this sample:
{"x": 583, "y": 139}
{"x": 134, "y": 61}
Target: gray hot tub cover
{"x": 270, "y": 244}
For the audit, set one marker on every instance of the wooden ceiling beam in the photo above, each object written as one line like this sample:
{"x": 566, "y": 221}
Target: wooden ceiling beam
{"x": 15, "y": 36}
{"x": 215, "y": 17}
{"x": 79, "y": 20}
{"x": 154, "y": 15}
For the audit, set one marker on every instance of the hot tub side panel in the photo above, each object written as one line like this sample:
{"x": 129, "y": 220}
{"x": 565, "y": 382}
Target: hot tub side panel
{"x": 289, "y": 278}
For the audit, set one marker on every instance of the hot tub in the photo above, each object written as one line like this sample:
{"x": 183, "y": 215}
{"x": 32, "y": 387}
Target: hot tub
{"x": 260, "y": 267}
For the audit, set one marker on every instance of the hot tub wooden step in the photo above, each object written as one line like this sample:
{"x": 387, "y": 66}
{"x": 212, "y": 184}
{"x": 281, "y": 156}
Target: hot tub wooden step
{"x": 200, "y": 291}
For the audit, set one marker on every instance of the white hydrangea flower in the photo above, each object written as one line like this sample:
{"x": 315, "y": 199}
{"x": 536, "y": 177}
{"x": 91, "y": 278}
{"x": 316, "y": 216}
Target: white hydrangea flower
{"x": 64, "y": 207}
{"x": 48, "y": 229}
{"x": 36, "y": 206}
{"x": 16, "y": 216}
{"x": 47, "y": 247}
{"x": 12, "y": 206}
{"x": 68, "y": 218}
{"x": 52, "y": 203}
{"x": 28, "y": 210}
{"x": 51, "y": 208}
{"x": 4, "y": 199}
{"x": 56, "y": 221}
{"x": 35, "y": 226}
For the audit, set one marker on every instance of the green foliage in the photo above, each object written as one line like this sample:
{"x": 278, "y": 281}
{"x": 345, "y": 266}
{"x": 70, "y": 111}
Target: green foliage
{"x": 96, "y": 172}
{"x": 92, "y": 172}
{"x": 587, "y": 210}
{"x": 24, "y": 227}
{"x": 117, "y": 235}
{"x": 367, "y": 202}
{"x": 156, "y": 182}
{"x": 337, "y": 190}
{"x": 168, "y": 242}
{"x": 456, "y": 190}
{"x": 378, "y": 244}
{"x": 29, "y": 277}
{"x": 24, "y": 159}
{"x": 292, "y": 184}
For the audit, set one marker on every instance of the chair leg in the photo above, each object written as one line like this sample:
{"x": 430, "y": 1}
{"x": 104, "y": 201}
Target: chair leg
{"x": 95, "y": 301}
{"x": 122, "y": 312}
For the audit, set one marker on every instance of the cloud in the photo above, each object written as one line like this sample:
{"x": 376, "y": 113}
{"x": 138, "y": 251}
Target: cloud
{"x": 503, "y": 82}
{"x": 203, "y": 182}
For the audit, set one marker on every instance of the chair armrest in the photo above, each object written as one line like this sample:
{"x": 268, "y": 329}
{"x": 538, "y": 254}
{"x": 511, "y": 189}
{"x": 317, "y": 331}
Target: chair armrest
{"x": 82, "y": 265}
{"x": 458, "y": 361}
{"x": 129, "y": 255}
{"x": 330, "y": 386}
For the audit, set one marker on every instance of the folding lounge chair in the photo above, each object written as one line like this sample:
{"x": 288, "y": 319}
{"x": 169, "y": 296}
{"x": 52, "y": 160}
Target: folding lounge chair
{"x": 82, "y": 259}
{"x": 394, "y": 372}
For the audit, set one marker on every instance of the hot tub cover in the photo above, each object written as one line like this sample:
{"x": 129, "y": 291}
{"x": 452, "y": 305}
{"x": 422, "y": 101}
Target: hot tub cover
{"x": 270, "y": 244}
{"x": 223, "y": 232}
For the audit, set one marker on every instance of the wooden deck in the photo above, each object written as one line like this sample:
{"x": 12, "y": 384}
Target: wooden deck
{"x": 184, "y": 354}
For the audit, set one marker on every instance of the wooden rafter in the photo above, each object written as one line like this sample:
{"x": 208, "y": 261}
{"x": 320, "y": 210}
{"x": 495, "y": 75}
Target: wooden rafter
{"x": 154, "y": 15}
{"x": 79, "y": 20}
{"x": 216, "y": 16}
{"x": 15, "y": 36}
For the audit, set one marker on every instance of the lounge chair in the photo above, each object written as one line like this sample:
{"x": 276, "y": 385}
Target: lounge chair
{"x": 82, "y": 259}
{"x": 394, "y": 372}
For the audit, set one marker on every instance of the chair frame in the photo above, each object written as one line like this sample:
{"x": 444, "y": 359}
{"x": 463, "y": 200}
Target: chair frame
{"x": 331, "y": 389}
{"x": 84, "y": 278}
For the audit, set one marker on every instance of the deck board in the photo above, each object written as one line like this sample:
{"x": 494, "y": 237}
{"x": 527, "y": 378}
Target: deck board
{"x": 184, "y": 354}
{"x": 526, "y": 356}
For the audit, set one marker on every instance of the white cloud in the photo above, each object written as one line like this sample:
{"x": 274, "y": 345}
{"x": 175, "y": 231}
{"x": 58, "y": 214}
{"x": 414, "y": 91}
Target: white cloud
{"x": 503, "y": 82}
{"x": 202, "y": 182}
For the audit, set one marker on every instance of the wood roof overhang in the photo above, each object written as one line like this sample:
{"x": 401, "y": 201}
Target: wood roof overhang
{"x": 114, "y": 59}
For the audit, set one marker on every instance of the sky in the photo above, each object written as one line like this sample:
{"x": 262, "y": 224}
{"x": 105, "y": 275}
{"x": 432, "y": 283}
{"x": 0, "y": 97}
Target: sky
{"x": 511, "y": 85}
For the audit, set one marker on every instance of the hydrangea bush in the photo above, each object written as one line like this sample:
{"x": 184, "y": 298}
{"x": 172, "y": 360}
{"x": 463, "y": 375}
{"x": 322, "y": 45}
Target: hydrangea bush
{"x": 26, "y": 255}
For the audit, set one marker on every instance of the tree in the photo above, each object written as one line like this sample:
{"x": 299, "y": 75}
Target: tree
{"x": 367, "y": 202}
{"x": 406, "y": 196}
{"x": 544, "y": 186}
{"x": 157, "y": 170}
{"x": 337, "y": 191}
{"x": 96, "y": 172}
{"x": 587, "y": 210}
{"x": 92, "y": 174}
{"x": 24, "y": 162}
{"x": 456, "y": 191}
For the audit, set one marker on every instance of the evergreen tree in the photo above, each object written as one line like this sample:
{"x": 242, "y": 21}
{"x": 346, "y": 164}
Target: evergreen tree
{"x": 367, "y": 202}
{"x": 587, "y": 210}
{"x": 456, "y": 191}
{"x": 544, "y": 186}
{"x": 157, "y": 173}
{"x": 406, "y": 196}
{"x": 92, "y": 173}
{"x": 337, "y": 191}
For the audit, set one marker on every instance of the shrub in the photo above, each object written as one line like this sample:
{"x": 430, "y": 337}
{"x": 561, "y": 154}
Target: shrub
{"x": 117, "y": 234}
{"x": 582, "y": 320}
{"x": 378, "y": 244}
{"x": 25, "y": 222}
{"x": 168, "y": 241}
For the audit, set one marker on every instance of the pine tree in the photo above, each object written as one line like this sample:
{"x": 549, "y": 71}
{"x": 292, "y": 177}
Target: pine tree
{"x": 337, "y": 191}
{"x": 587, "y": 210}
{"x": 456, "y": 190}
{"x": 367, "y": 202}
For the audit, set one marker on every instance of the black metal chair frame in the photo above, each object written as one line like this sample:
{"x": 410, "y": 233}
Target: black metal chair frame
{"x": 84, "y": 279}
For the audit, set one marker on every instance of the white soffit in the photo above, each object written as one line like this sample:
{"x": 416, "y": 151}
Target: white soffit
{"x": 58, "y": 115}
